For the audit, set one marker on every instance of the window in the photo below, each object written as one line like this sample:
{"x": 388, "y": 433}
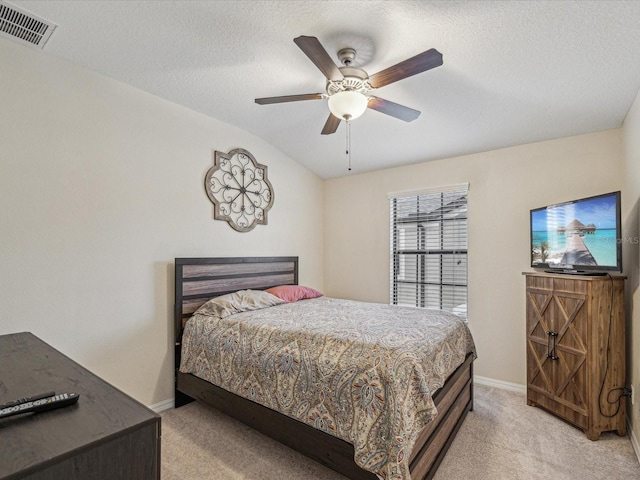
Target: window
{"x": 429, "y": 248}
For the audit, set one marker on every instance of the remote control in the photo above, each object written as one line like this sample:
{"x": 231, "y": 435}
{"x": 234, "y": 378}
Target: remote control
{"x": 41, "y": 405}
{"x": 27, "y": 399}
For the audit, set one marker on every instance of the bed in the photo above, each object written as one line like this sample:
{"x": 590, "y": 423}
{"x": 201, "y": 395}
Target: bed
{"x": 197, "y": 280}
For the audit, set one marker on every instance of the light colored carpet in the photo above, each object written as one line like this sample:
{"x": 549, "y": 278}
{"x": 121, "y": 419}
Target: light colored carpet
{"x": 502, "y": 438}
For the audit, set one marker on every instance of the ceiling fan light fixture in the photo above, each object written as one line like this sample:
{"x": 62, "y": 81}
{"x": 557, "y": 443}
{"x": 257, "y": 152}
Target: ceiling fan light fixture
{"x": 348, "y": 105}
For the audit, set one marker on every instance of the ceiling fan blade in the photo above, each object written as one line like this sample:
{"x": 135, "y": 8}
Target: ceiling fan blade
{"x": 394, "y": 109}
{"x": 290, "y": 98}
{"x": 319, "y": 56}
{"x": 332, "y": 125}
{"x": 420, "y": 63}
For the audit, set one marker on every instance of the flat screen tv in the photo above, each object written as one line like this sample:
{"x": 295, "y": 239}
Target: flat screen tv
{"x": 581, "y": 236}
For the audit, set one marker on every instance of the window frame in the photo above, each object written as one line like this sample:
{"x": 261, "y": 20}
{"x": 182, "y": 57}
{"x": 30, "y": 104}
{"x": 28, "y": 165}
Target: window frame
{"x": 451, "y": 244}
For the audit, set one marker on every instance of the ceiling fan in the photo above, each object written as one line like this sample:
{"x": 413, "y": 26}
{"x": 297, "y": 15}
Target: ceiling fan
{"x": 349, "y": 88}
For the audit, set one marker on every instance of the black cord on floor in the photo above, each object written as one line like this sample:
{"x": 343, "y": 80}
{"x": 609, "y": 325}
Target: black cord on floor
{"x": 623, "y": 392}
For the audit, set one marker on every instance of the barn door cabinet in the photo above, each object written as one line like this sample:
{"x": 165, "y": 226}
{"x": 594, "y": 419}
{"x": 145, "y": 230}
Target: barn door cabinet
{"x": 576, "y": 349}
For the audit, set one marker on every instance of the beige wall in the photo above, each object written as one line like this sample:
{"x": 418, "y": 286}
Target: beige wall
{"x": 631, "y": 256}
{"x": 101, "y": 187}
{"x": 504, "y": 185}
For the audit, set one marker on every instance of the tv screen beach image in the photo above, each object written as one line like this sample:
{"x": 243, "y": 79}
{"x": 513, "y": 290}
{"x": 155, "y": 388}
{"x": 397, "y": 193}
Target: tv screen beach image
{"x": 580, "y": 233}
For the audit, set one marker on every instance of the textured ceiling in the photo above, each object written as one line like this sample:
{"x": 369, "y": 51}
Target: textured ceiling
{"x": 514, "y": 72}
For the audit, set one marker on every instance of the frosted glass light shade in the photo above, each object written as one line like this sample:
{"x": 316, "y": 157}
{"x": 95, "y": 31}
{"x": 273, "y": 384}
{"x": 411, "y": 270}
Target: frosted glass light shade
{"x": 348, "y": 105}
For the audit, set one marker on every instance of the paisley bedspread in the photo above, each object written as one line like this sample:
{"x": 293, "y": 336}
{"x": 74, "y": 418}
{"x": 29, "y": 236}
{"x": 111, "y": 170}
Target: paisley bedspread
{"x": 362, "y": 372}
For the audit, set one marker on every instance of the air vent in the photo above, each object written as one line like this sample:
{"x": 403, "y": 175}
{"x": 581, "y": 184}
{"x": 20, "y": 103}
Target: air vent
{"x": 23, "y": 26}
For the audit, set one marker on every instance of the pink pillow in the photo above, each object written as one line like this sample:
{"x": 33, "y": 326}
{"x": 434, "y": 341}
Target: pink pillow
{"x": 293, "y": 293}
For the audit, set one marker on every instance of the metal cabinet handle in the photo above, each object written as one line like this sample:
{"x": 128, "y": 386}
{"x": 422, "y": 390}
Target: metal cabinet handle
{"x": 551, "y": 345}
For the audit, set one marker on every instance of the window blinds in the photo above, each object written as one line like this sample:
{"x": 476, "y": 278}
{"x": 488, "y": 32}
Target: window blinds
{"x": 429, "y": 248}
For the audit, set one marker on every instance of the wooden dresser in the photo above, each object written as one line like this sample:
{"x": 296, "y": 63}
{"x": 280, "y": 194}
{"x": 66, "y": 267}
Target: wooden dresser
{"x": 576, "y": 349}
{"x": 106, "y": 435}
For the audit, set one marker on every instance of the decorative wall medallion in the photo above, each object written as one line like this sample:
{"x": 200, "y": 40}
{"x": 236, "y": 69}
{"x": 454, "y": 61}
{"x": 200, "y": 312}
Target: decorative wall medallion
{"x": 239, "y": 189}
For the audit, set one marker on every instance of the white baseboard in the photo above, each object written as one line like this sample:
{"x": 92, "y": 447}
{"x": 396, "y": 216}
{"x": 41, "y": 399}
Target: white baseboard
{"x": 491, "y": 382}
{"x": 634, "y": 439}
{"x": 161, "y": 406}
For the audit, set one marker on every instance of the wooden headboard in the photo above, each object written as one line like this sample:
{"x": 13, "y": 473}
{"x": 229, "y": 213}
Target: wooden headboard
{"x": 200, "y": 279}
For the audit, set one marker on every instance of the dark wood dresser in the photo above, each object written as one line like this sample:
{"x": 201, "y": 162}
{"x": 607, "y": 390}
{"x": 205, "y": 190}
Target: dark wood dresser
{"x": 106, "y": 435}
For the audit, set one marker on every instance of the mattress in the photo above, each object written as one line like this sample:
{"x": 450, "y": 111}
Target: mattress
{"x": 363, "y": 372}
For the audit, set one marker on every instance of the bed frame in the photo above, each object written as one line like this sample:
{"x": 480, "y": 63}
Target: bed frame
{"x": 199, "y": 279}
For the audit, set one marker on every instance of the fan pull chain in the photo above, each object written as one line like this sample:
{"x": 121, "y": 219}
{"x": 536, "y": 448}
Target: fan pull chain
{"x": 348, "y": 152}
